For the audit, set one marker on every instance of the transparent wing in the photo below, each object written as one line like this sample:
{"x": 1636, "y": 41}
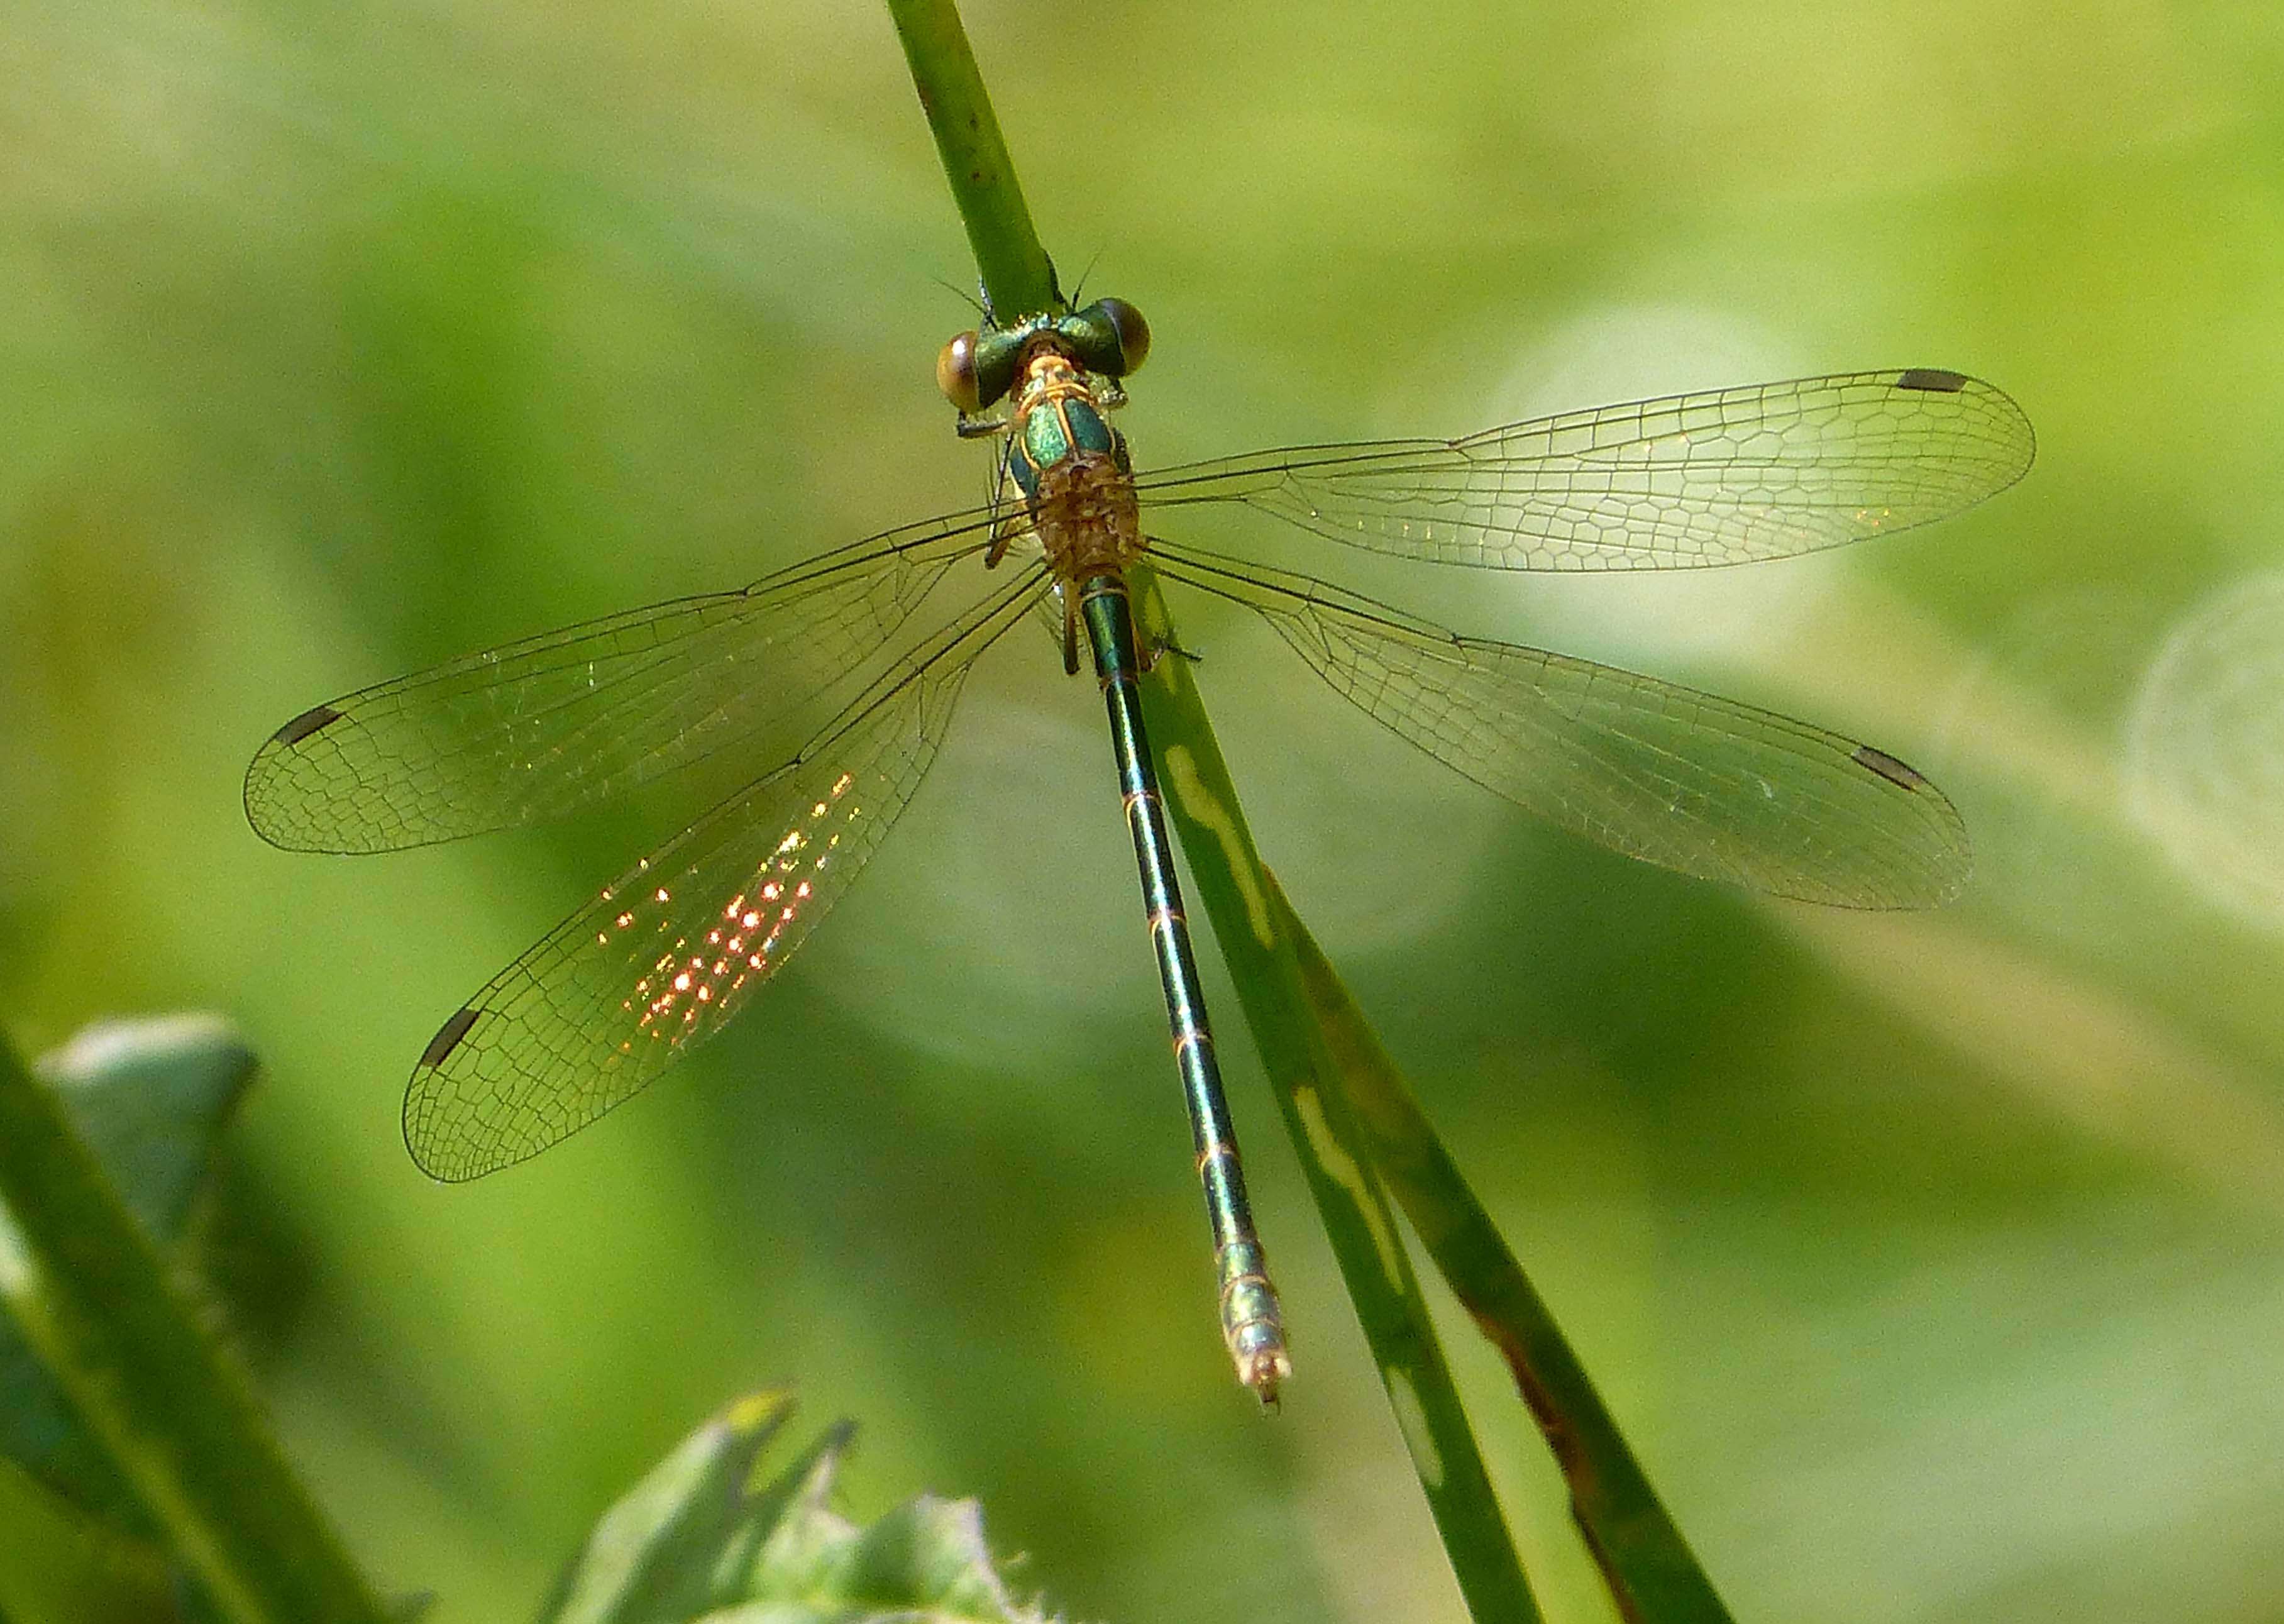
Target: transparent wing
{"x": 1688, "y": 780}
{"x": 536, "y": 728}
{"x": 669, "y": 954}
{"x": 1764, "y": 471}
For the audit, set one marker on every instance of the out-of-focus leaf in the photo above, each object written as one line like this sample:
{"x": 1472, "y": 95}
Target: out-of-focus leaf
{"x": 705, "y": 1539}
{"x": 150, "y": 1097}
{"x": 662, "y": 1551}
{"x": 926, "y": 1555}
{"x": 112, "y": 1319}
{"x": 58, "y": 1564}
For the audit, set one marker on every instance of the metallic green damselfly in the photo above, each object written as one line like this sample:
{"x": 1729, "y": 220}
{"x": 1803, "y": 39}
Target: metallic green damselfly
{"x": 803, "y": 679}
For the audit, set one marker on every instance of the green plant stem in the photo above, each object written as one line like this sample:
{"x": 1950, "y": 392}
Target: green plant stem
{"x": 1648, "y": 1566}
{"x": 1018, "y": 277}
{"x": 1237, "y": 893}
{"x": 1351, "y": 1117}
{"x": 96, "y": 1302}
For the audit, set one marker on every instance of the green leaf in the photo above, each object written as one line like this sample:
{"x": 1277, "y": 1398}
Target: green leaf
{"x": 151, "y": 1098}
{"x": 677, "y": 1543}
{"x": 122, "y": 1331}
{"x": 705, "y": 1538}
{"x": 927, "y": 1557}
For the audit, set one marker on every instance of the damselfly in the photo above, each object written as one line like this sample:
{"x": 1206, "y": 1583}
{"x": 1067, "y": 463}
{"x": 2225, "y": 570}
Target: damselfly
{"x": 802, "y": 677}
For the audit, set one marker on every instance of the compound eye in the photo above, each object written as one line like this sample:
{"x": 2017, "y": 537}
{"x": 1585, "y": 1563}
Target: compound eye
{"x": 955, "y": 374}
{"x": 1133, "y": 331}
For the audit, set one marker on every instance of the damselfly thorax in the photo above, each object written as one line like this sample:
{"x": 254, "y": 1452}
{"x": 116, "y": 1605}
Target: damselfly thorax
{"x": 1071, "y": 466}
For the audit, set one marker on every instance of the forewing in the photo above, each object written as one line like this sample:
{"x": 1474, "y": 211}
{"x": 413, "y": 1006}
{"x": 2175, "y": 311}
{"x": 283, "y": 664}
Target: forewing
{"x": 670, "y": 953}
{"x": 1688, "y": 780}
{"x": 1720, "y": 477}
{"x": 530, "y": 730}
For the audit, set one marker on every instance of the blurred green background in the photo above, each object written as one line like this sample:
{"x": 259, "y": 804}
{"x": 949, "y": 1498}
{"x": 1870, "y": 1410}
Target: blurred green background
{"x": 1936, "y": 1264}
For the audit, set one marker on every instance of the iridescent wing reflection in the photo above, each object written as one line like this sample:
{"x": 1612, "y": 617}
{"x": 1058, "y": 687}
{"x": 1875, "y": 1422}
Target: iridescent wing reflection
{"x": 1720, "y": 477}
{"x": 669, "y": 952}
{"x": 534, "y": 729}
{"x": 1688, "y": 780}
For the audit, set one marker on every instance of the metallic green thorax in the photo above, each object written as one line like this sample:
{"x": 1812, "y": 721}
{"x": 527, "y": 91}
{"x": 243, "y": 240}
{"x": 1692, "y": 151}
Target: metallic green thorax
{"x": 1055, "y": 430}
{"x": 1249, "y": 1318}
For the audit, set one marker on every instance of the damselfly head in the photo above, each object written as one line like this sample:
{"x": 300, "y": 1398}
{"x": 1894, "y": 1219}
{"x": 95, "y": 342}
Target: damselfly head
{"x": 976, "y": 370}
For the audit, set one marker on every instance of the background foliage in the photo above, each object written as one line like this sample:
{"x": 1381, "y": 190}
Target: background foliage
{"x": 1933, "y": 1263}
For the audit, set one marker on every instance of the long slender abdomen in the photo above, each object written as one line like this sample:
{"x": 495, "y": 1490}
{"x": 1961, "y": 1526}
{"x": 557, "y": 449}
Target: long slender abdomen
{"x": 1252, "y": 1325}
